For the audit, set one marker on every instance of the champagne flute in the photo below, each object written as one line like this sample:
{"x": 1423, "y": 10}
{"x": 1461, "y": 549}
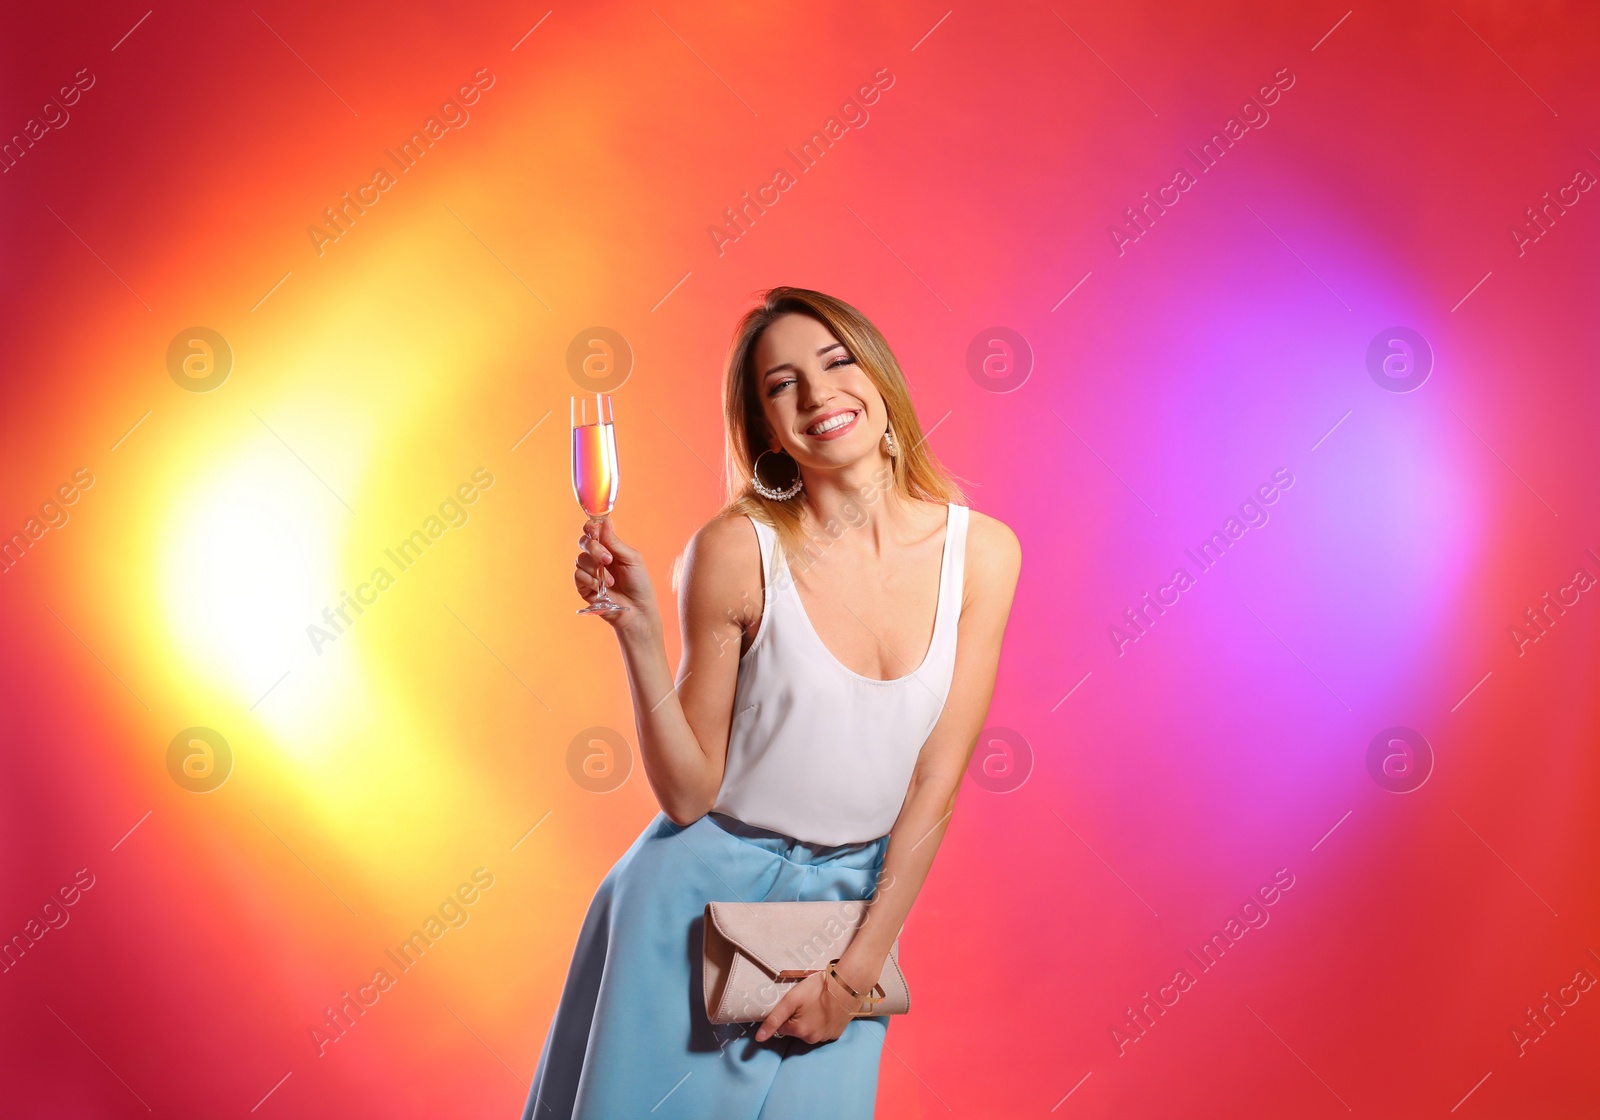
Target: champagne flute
{"x": 594, "y": 475}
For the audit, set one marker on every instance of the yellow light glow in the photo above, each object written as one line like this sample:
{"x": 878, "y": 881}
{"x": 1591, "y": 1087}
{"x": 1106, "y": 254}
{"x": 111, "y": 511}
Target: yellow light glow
{"x": 252, "y": 557}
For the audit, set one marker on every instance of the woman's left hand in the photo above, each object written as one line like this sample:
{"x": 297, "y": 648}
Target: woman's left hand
{"x": 814, "y": 1010}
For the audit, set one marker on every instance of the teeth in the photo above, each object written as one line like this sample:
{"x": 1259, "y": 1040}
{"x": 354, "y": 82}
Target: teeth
{"x": 835, "y": 422}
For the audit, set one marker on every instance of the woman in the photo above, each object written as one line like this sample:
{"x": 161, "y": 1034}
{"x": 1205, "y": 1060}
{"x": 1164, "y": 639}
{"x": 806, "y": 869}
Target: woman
{"x": 841, "y": 623}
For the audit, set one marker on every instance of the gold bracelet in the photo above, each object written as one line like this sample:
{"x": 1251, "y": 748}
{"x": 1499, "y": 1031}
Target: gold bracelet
{"x": 868, "y": 999}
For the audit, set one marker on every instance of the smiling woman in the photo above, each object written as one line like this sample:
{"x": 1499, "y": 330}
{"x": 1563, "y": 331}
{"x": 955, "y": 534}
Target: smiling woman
{"x": 820, "y": 766}
{"x": 830, "y": 333}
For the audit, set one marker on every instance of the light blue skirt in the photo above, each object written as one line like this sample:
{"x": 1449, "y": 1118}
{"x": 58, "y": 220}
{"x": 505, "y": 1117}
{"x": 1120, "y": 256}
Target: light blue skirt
{"x": 630, "y": 1037}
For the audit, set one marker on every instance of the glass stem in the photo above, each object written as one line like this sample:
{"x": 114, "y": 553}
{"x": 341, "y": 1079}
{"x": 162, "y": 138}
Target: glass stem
{"x": 604, "y": 595}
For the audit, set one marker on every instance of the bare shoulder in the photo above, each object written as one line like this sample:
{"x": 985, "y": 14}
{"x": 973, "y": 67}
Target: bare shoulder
{"x": 992, "y": 549}
{"x": 723, "y": 534}
{"x": 722, "y": 569}
{"x": 994, "y": 557}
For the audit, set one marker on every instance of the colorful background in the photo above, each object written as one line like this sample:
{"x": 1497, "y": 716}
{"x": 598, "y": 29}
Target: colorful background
{"x": 1132, "y": 793}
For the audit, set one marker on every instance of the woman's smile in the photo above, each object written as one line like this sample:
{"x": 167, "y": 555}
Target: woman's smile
{"x": 834, "y": 424}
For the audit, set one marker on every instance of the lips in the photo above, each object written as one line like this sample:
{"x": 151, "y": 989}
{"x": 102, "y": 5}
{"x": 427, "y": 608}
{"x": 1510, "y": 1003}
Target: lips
{"x": 835, "y": 423}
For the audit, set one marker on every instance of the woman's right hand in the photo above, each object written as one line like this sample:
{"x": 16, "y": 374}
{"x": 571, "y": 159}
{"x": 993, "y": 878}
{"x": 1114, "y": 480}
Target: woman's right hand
{"x": 623, "y": 568}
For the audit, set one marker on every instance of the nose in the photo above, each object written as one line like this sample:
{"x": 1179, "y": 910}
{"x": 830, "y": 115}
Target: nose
{"x": 814, "y": 392}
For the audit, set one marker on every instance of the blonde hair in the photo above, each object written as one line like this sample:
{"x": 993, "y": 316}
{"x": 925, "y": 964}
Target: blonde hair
{"x": 917, "y": 473}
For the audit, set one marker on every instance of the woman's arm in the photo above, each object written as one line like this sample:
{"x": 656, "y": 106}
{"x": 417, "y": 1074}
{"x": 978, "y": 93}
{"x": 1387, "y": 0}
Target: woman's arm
{"x": 683, "y": 725}
{"x": 993, "y": 561}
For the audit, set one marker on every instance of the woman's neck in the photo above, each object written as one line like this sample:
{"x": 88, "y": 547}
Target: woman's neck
{"x": 860, "y": 497}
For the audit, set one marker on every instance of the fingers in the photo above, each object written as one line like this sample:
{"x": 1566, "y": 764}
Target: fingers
{"x": 588, "y": 564}
{"x": 802, "y": 1014}
{"x": 584, "y": 575}
{"x": 592, "y": 561}
{"x": 780, "y": 1015}
{"x": 606, "y": 532}
{"x": 591, "y": 544}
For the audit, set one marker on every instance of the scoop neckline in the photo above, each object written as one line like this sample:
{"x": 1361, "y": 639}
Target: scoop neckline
{"x": 938, "y": 610}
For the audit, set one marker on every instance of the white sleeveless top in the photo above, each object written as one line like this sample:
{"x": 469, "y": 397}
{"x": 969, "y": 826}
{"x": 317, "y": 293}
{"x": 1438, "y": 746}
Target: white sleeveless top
{"x": 816, "y": 751}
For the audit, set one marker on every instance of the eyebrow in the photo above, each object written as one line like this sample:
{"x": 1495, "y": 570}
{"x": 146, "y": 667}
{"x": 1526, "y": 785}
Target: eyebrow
{"x": 789, "y": 365}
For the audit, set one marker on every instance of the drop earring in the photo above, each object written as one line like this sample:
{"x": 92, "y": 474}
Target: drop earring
{"x": 891, "y": 447}
{"x": 766, "y": 491}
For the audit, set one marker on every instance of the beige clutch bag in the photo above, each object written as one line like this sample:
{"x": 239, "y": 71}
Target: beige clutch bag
{"x": 756, "y": 951}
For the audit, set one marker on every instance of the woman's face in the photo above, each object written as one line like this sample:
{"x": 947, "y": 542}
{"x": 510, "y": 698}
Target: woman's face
{"x": 819, "y": 404}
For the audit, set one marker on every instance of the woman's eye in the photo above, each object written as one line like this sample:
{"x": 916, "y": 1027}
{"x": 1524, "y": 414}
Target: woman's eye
{"x": 777, "y": 386}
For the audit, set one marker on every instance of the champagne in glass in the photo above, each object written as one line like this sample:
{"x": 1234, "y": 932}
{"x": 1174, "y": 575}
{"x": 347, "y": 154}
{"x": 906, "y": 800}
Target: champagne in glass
{"x": 594, "y": 474}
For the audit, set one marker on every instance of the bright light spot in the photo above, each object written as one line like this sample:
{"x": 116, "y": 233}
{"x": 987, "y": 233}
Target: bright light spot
{"x": 250, "y": 563}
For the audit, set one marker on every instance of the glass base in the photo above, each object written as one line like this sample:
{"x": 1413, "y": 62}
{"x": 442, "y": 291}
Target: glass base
{"x": 601, "y": 606}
